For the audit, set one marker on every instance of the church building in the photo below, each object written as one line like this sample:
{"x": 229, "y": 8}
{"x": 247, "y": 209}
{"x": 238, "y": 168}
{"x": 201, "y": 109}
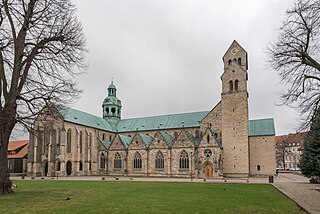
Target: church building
{"x": 221, "y": 142}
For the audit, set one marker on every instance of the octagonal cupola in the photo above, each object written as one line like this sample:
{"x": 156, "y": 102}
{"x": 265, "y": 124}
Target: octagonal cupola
{"x": 111, "y": 106}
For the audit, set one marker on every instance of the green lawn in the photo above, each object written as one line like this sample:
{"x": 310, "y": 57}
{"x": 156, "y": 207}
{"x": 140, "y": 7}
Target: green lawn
{"x": 49, "y": 196}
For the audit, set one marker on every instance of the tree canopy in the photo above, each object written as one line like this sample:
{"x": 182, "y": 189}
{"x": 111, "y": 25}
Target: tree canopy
{"x": 42, "y": 49}
{"x": 310, "y": 160}
{"x": 296, "y": 56}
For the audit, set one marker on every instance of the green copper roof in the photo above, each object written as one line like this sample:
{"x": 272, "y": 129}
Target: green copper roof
{"x": 82, "y": 118}
{"x": 171, "y": 121}
{"x": 112, "y": 85}
{"x": 106, "y": 144}
{"x": 146, "y": 139}
{"x": 261, "y": 127}
{"x": 168, "y": 138}
{"x": 255, "y": 127}
{"x": 126, "y": 140}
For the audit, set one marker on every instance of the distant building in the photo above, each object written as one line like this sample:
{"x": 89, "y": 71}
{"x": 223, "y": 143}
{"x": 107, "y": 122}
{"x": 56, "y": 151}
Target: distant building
{"x": 289, "y": 149}
{"x": 215, "y": 143}
{"x": 18, "y": 156}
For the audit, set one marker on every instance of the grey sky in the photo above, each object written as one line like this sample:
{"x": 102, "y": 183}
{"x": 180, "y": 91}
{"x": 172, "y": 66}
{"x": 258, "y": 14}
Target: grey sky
{"x": 166, "y": 55}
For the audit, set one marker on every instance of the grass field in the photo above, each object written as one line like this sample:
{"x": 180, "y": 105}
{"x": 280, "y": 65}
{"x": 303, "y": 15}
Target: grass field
{"x": 50, "y": 196}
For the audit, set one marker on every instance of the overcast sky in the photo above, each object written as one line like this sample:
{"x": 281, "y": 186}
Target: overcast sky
{"x": 165, "y": 56}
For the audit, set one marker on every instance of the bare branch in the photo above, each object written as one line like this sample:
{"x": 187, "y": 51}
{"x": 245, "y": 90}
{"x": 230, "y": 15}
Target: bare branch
{"x": 295, "y": 55}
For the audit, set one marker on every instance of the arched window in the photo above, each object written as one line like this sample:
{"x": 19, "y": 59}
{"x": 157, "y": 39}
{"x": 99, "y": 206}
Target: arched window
{"x": 102, "y": 161}
{"x": 236, "y": 85}
{"x": 69, "y": 141}
{"x": 229, "y": 62}
{"x": 80, "y": 142}
{"x": 137, "y": 163}
{"x": 258, "y": 167}
{"x": 230, "y": 85}
{"x": 80, "y": 166}
{"x": 197, "y": 134}
{"x": 107, "y": 110}
{"x": 159, "y": 161}
{"x": 184, "y": 160}
{"x": 113, "y": 110}
{"x": 239, "y": 61}
{"x": 117, "y": 161}
{"x": 103, "y": 136}
{"x": 208, "y": 138}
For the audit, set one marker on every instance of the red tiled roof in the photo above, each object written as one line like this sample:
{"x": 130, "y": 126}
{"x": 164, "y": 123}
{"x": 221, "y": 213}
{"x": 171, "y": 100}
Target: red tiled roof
{"x": 23, "y": 152}
{"x": 280, "y": 139}
{"x": 296, "y": 137}
{"x": 13, "y": 145}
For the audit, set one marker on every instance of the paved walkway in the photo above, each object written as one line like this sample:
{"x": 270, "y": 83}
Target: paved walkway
{"x": 295, "y": 186}
{"x": 299, "y": 189}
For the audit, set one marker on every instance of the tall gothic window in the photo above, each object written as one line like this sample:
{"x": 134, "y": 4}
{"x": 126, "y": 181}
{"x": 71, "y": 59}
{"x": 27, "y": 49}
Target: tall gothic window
{"x": 236, "y": 85}
{"x": 69, "y": 141}
{"x": 46, "y": 138}
{"x": 159, "y": 160}
{"x": 137, "y": 163}
{"x": 102, "y": 161}
{"x": 117, "y": 161}
{"x": 46, "y": 141}
{"x": 184, "y": 160}
{"x": 80, "y": 142}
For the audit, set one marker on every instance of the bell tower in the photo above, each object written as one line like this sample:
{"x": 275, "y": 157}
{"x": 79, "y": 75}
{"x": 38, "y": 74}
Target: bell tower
{"x": 234, "y": 101}
{"x": 111, "y": 106}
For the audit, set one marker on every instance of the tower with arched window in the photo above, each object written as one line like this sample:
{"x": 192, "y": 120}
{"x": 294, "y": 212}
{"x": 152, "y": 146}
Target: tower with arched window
{"x": 234, "y": 106}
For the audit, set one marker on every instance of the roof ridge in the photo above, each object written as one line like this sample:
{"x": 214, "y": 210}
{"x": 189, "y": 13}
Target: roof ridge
{"x": 164, "y": 115}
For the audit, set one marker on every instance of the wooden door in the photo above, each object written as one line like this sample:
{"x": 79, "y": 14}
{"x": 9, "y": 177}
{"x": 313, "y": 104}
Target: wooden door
{"x": 208, "y": 171}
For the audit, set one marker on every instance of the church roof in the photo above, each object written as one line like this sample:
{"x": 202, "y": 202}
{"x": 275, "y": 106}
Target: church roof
{"x": 170, "y": 121}
{"x": 126, "y": 140}
{"x": 258, "y": 127}
{"x": 106, "y": 143}
{"x": 168, "y": 138}
{"x": 146, "y": 139}
{"x": 83, "y": 118}
{"x": 261, "y": 127}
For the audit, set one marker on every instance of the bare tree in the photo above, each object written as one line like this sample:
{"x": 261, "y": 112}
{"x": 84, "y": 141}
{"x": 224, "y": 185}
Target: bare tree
{"x": 296, "y": 56}
{"x": 42, "y": 49}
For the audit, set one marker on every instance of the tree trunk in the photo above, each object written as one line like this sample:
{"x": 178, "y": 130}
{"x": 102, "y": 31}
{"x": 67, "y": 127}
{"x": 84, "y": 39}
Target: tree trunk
{"x": 5, "y": 182}
{"x": 6, "y": 127}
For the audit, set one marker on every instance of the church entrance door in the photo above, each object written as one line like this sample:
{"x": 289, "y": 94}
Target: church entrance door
{"x": 45, "y": 168}
{"x": 208, "y": 170}
{"x": 69, "y": 168}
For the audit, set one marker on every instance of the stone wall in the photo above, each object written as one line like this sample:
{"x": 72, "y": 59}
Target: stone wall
{"x": 262, "y": 155}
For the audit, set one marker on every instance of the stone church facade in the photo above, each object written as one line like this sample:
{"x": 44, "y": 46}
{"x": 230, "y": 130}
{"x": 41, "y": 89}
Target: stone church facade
{"x": 222, "y": 142}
